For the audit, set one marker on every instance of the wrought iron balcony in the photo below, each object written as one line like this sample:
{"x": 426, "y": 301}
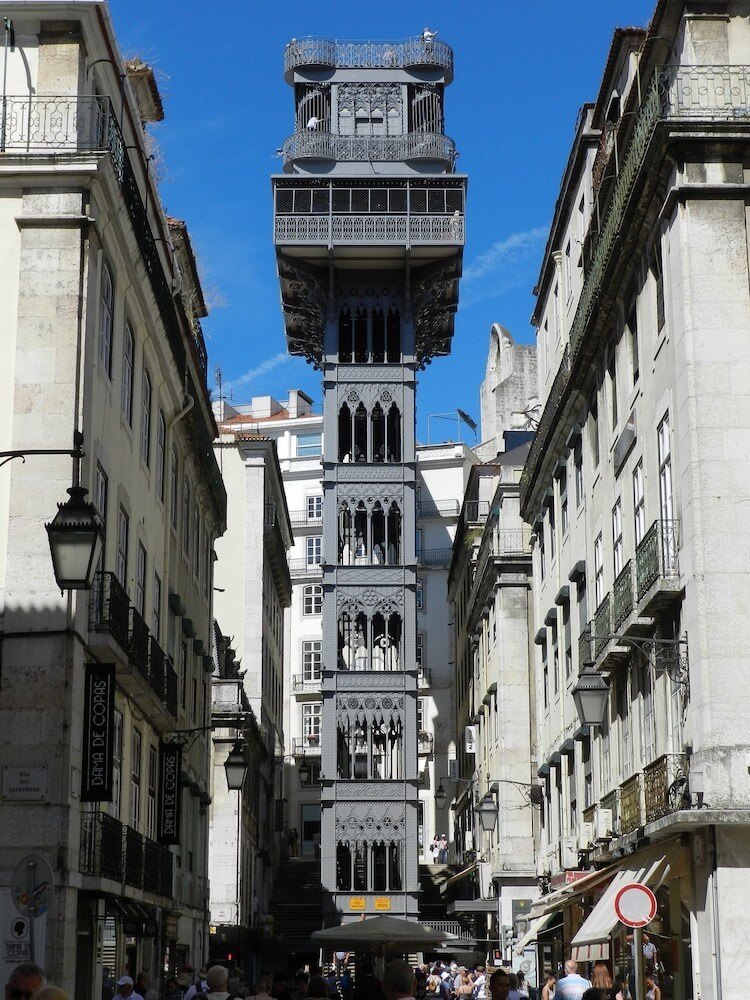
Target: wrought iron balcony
{"x": 102, "y": 846}
{"x": 109, "y": 610}
{"x": 133, "y": 857}
{"x": 138, "y": 643}
{"x": 167, "y": 871}
{"x": 303, "y": 519}
{"x": 585, "y": 647}
{"x": 380, "y": 229}
{"x": 157, "y": 661}
{"x": 170, "y": 687}
{"x": 60, "y": 124}
{"x": 435, "y": 557}
{"x": 476, "y": 511}
{"x": 602, "y": 624}
{"x": 313, "y": 145}
{"x": 301, "y": 567}
{"x": 412, "y": 53}
{"x": 437, "y": 508}
{"x": 631, "y": 811}
{"x": 622, "y": 595}
{"x": 300, "y": 683}
{"x": 151, "y": 865}
{"x": 704, "y": 98}
{"x": 656, "y": 555}
{"x": 665, "y": 786}
{"x": 306, "y": 745}
{"x": 425, "y": 742}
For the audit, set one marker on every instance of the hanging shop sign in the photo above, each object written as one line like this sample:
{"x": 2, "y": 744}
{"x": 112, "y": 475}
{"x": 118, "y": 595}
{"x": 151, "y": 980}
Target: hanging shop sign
{"x": 98, "y": 733}
{"x": 170, "y": 793}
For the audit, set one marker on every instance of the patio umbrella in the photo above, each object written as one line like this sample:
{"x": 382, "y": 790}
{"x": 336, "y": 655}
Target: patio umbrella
{"x": 379, "y": 935}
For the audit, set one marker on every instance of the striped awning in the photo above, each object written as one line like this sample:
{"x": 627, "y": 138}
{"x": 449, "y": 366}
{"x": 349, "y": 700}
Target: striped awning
{"x": 535, "y": 928}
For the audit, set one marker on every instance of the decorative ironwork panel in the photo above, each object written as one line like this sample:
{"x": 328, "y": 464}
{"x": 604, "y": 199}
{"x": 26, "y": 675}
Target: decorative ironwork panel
{"x": 110, "y": 608}
{"x": 369, "y": 822}
{"x": 369, "y": 599}
{"x": 384, "y": 709}
{"x": 657, "y": 555}
{"x": 374, "y": 148}
{"x": 602, "y": 624}
{"x": 631, "y": 814}
{"x": 415, "y": 52}
{"x": 133, "y": 857}
{"x": 665, "y": 786}
{"x": 622, "y": 594}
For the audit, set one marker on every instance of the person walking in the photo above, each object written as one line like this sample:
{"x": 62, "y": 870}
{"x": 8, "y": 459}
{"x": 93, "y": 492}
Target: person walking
{"x": 571, "y": 986}
{"x": 125, "y": 990}
{"x": 443, "y": 849}
{"x": 548, "y": 990}
{"x": 601, "y": 980}
{"x": 217, "y": 979}
{"x": 24, "y": 981}
{"x": 652, "y": 990}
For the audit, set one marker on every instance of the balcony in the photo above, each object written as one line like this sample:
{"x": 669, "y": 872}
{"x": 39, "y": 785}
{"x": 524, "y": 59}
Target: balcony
{"x": 612, "y": 801}
{"x": 602, "y": 625}
{"x": 585, "y": 647}
{"x": 665, "y": 786}
{"x": 157, "y": 662}
{"x": 306, "y": 746}
{"x": 413, "y": 53}
{"x": 435, "y": 558}
{"x": 170, "y": 688}
{"x": 138, "y": 643}
{"x": 476, "y": 511}
{"x": 313, "y": 145}
{"x": 302, "y": 684}
{"x": 701, "y": 98}
{"x": 427, "y": 509}
{"x": 151, "y": 866}
{"x": 657, "y": 564}
{"x": 102, "y": 846}
{"x": 622, "y": 595}
{"x": 133, "y": 857}
{"x": 301, "y": 568}
{"x": 425, "y": 742}
{"x": 304, "y": 519}
{"x": 109, "y": 610}
{"x": 631, "y": 811}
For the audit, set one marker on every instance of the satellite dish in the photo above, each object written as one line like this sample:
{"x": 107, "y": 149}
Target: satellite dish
{"x": 32, "y": 886}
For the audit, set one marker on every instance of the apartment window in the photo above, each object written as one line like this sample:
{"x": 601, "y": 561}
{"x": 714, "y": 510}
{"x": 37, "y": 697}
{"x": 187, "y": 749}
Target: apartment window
{"x": 101, "y": 484}
{"x": 552, "y": 538}
{"x": 312, "y": 600}
{"x": 194, "y": 700}
{"x": 582, "y": 607}
{"x": 420, "y": 651}
{"x": 123, "y": 530}
{"x": 634, "y": 358}
{"x": 606, "y": 774}
{"x": 314, "y": 550}
{"x": 140, "y": 580}
{"x": 314, "y": 508}
{"x": 161, "y": 454}
{"x": 309, "y": 444}
{"x": 421, "y": 715}
{"x": 151, "y": 790}
{"x": 555, "y": 659}
{"x": 613, "y": 402}
{"x": 623, "y": 711}
{"x": 568, "y": 640}
{"x": 572, "y": 795}
{"x": 542, "y": 561}
{"x": 588, "y": 784}
{"x": 186, "y": 508}
{"x": 135, "y": 779}
{"x": 657, "y": 271}
{"x": 582, "y": 218}
{"x": 311, "y": 715}
{"x": 420, "y": 594}
{"x": 418, "y": 542}
{"x": 146, "y": 394}
{"x": 594, "y": 431}
{"x": 545, "y": 675}
{"x": 578, "y": 466}
{"x": 544, "y": 343}
{"x": 106, "y": 319}
{"x": 598, "y": 570}
{"x": 128, "y": 367}
{"x": 649, "y": 723}
{"x": 568, "y": 274}
{"x": 311, "y": 659}
{"x": 197, "y": 543}
{"x": 665, "y": 469}
{"x": 639, "y": 503}
{"x": 207, "y": 562}
{"x": 156, "y": 611}
{"x": 556, "y": 325}
{"x": 174, "y": 480}
{"x": 117, "y": 761}
{"x": 563, "y": 481}
{"x": 617, "y": 537}
{"x": 183, "y": 673}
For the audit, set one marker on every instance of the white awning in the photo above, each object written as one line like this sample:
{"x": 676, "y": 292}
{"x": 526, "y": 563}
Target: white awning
{"x": 534, "y": 928}
{"x": 591, "y": 943}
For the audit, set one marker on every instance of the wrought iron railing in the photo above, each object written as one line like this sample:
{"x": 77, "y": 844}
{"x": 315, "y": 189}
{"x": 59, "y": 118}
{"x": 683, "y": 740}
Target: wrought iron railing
{"x": 425, "y": 742}
{"x": 170, "y": 687}
{"x": 612, "y": 801}
{"x": 416, "y": 51}
{"x": 303, "y": 519}
{"x": 306, "y": 745}
{"x": 109, "y": 610}
{"x": 438, "y": 508}
{"x": 157, "y": 660}
{"x": 589, "y": 813}
{"x": 101, "y": 851}
{"x": 665, "y": 786}
{"x": 133, "y": 857}
{"x": 65, "y": 124}
{"x": 657, "y": 555}
{"x": 375, "y": 148}
{"x": 585, "y": 647}
{"x": 151, "y": 865}
{"x": 381, "y": 229}
{"x": 602, "y": 624}
{"x": 713, "y": 94}
{"x": 435, "y": 557}
{"x": 476, "y": 511}
{"x": 622, "y": 595}
{"x": 631, "y": 813}
{"x": 138, "y": 642}
{"x": 452, "y": 927}
{"x": 301, "y": 567}
{"x": 167, "y": 871}
{"x": 302, "y": 683}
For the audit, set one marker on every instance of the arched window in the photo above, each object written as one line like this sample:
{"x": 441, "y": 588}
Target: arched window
{"x": 343, "y": 867}
{"x": 360, "y": 434}
{"x": 378, "y": 433}
{"x": 360, "y": 336}
{"x": 369, "y": 644}
{"x": 394, "y": 434}
{"x": 345, "y": 335}
{"x": 345, "y": 434}
{"x": 393, "y": 330}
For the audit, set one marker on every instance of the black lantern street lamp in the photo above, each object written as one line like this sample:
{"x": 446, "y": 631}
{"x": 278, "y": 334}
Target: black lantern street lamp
{"x": 235, "y": 767}
{"x": 304, "y": 773}
{"x": 590, "y": 694}
{"x": 487, "y": 810}
{"x": 440, "y": 796}
{"x": 75, "y": 540}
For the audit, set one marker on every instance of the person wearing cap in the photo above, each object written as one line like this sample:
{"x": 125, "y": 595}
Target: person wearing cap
{"x": 125, "y": 990}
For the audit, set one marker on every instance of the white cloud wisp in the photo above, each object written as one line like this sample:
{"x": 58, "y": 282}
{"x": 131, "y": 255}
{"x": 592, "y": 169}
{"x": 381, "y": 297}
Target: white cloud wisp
{"x": 262, "y": 369}
{"x": 505, "y": 265}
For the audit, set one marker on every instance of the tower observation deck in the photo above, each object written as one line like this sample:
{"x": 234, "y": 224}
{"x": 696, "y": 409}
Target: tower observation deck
{"x": 369, "y": 224}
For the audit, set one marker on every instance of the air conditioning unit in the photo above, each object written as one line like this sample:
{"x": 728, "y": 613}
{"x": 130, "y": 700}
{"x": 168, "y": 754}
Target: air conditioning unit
{"x": 585, "y": 835}
{"x": 568, "y": 852}
{"x": 603, "y": 824}
{"x": 542, "y": 867}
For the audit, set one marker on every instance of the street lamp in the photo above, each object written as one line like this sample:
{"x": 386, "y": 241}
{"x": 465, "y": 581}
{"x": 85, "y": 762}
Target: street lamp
{"x": 75, "y": 540}
{"x": 235, "y": 767}
{"x": 304, "y": 773}
{"x": 590, "y": 694}
{"x": 440, "y": 796}
{"x": 487, "y": 810}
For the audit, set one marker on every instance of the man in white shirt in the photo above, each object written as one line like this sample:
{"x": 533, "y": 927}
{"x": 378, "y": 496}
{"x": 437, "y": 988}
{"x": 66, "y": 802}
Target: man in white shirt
{"x": 571, "y": 986}
{"x": 217, "y": 978}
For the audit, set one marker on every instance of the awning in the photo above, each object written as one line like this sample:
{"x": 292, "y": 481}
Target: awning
{"x": 534, "y": 929}
{"x": 592, "y": 943}
{"x": 473, "y": 906}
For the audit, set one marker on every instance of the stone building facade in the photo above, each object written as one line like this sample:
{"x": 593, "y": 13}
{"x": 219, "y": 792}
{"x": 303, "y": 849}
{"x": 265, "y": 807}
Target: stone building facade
{"x": 101, "y": 312}
{"x": 633, "y": 488}
{"x": 508, "y": 395}
{"x": 369, "y": 266}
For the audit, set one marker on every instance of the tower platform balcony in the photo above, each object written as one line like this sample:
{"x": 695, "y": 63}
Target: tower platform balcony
{"x": 423, "y": 146}
{"x": 328, "y": 53}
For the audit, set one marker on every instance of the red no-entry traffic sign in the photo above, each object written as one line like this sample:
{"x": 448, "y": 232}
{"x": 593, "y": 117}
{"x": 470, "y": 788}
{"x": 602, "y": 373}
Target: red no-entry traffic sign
{"x": 635, "y": 905}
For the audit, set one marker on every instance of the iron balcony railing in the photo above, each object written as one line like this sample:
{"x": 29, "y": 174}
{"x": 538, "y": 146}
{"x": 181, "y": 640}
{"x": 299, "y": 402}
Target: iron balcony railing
{"x": 102, "y": 846}
{"x": 413, "y": 52}
{"x": 301, "y": 567}
{"x": 306, "y": 745}
{"x": 151, "y": 865}
{"x": 602, "y": 624}
{"x": 434, "y": 557}
{"x": 304, "y": 519}
{"x": 157, "y": 661}
{"x": 665, "y": 786}
{"x": 425, "y": 743}
{"x": 369, "y": 148}
{"x": 170, "y": 687}
{"x": 585, "y": 647}
{"x": 712, "y": 95}
{"x": 133, "y": 857}
{"x": 109, "y": 610}
{"x": 138, "y": 643}
{"x": 656, "y": 556}
{"x": 167, "y": 871}
{"x": 631, "y": 812}
{"x": 302, "y": 683}
{"x": 452, "y": 927}
{"x": 381, "y": 229}
{"x": 438, "y": 508}
{"x": 622, "y": 595}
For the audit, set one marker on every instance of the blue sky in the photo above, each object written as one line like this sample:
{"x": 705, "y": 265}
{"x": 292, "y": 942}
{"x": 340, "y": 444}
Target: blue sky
{"x": 522, "y": 70}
